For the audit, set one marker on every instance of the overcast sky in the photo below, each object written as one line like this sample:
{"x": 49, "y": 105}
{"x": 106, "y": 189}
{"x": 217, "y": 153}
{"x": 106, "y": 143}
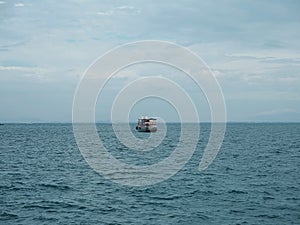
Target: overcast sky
{"x": 252, "y": 47}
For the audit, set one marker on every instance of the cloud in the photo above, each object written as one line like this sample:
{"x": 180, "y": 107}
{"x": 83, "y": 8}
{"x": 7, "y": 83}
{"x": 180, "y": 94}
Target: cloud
{"x": 106, "y": 13}
{"x": 6, "y": 47}
{"x": 23, "y": 73}
{"x": 19, "y": 4}
{"x": 126, "y": 74}
{"x": 276, "y": 112}
{"x": 282, "y": 57}
{"x": 22, "y": 69}
{"x": 120, "y": 10}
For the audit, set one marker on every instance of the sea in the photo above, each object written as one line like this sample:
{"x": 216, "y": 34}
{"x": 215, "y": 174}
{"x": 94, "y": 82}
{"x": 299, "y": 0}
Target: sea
{"x": 254, "y": 179}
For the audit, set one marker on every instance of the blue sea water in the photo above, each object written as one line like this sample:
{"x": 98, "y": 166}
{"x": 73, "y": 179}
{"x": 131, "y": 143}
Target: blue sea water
{"x": 253, "y": 180}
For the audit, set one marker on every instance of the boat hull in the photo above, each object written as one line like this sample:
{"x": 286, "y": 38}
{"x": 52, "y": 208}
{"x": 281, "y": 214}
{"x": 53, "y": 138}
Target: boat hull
{"x": 146, "y": 129}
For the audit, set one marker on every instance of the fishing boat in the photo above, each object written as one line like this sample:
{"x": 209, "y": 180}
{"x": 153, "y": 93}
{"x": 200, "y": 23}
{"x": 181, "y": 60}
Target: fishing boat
{"x": 146, "y": 124}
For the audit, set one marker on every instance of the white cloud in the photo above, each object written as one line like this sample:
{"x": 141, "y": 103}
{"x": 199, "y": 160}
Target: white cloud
{"x": 289, "y": 79}
{"x": 10, "y": 74}
{"x": 22, "y": 69}
{"x": 276, "y": 112}
{"x": 217, "y": 73}
{"x": 19, "y": 5}
{"x": 120, "y": 10}
{"x": 276, "y": 56}
{"x": 127, "y": 74}
{"x": 106, "y": 13}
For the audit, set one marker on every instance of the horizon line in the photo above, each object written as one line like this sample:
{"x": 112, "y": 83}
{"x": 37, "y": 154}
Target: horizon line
{"x": 109, "y": 122}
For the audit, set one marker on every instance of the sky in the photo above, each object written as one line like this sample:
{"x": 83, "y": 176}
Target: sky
{"x": 251, "y": 47}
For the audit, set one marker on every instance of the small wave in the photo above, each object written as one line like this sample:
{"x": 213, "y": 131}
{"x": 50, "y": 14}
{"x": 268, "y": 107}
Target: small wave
{"x": 233, "y": 211}
{"x": 14, "y": 187}
{"x": 293, "y": 199}
{"x": 237, "y": 192}
{"x": 268, "y": 216}
{"x": 268, "y": 198}
{"x": 46, "y": 219}
{"x": 109, "y": 209}
{"x": 203, "y": 192}
{"x": 294, "y": 188}
{"x": 6, "y": 186}
{"x": 228, "y": 168}
{"x": 36, "y": 205}
{"x": 49, "y": 205}
{"x": 56, "y": 186}
{"x": 172, "y": 197}
{"x": 8, "y": 216}
{"x": 203, "y": 216}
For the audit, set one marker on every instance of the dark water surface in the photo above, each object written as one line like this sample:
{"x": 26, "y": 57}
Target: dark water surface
{"x": 254, "y": 179}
